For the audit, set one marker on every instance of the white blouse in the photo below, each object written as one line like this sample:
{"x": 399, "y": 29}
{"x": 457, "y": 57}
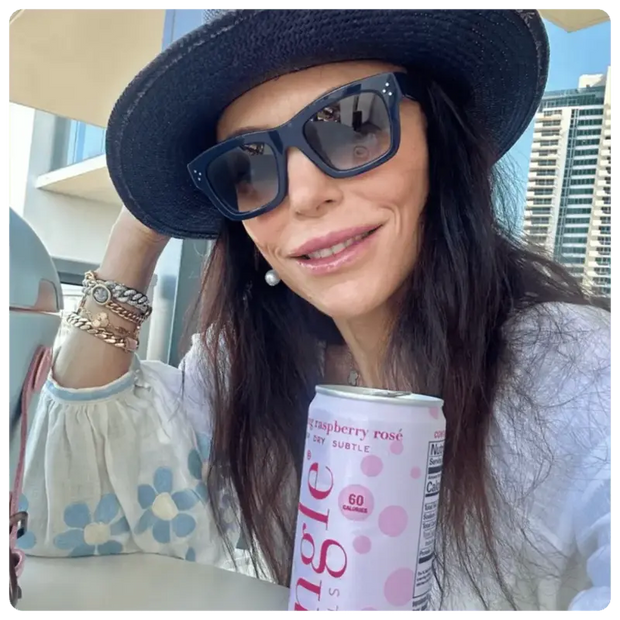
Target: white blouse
{"x": 120, "y": 468}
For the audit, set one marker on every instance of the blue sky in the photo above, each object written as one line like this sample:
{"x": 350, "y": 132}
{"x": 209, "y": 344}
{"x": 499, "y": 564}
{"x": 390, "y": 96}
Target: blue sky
{"x": 572, "y": 54}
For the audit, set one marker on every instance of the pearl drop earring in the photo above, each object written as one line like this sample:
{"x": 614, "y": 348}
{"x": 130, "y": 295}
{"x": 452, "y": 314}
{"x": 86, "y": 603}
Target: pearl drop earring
{"x": 272, "y": 278}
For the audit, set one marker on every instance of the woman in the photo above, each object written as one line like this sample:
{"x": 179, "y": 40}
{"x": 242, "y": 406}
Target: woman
{"x": 343, "y": 161}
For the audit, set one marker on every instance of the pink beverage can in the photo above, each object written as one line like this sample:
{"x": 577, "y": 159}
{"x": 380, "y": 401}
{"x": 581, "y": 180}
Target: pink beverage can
{"x": 367, "y": 515}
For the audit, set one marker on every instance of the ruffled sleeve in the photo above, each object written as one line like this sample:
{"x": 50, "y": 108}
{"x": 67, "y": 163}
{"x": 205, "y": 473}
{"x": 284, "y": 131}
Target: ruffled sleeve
{"x": 119, "y": 469}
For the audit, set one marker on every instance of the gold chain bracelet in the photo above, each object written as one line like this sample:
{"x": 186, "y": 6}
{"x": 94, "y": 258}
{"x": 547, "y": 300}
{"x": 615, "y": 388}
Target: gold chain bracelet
{"x": 132, "y": 317}
{"x": 124, "y": 341}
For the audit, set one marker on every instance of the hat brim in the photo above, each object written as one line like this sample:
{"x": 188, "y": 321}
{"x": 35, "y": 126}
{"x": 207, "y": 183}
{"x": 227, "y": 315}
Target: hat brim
{"x": 496, "y": 60}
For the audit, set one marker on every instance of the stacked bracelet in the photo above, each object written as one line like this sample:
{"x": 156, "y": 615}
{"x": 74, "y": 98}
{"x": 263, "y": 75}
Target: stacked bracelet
{"x": 103, "y": 291}
{"x": 121, "y": 341}
{"x": 110, "y": 295}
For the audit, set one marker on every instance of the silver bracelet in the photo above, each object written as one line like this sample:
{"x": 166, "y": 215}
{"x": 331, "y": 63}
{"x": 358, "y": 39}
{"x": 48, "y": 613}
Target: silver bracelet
{"x": 102, "y": 291}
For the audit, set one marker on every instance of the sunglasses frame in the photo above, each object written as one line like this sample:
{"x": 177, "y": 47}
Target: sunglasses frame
{"x": 391, "y": 87}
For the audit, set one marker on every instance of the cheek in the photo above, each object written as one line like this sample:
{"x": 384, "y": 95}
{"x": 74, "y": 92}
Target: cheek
{"x": 408, "y": 181}
{"x": 401, "y": 185}
{"x": 266, "y": 231}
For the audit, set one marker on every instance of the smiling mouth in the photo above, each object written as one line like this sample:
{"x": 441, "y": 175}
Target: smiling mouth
{"x": 338, "y": 248}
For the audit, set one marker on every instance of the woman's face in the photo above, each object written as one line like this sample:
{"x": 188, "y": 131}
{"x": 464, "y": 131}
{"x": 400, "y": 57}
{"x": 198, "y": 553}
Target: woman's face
{"x": 352, "y": 281}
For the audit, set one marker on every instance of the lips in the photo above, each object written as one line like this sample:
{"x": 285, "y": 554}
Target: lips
{"x": 336, "y": 249}
{"x": 332, "y": 244}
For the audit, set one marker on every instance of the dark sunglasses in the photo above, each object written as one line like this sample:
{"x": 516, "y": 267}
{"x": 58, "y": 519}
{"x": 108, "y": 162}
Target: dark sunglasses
{"x": 346, "y": 132}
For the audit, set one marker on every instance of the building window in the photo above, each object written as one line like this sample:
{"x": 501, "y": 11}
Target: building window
{"x": 605, "y": 230}
{"x": 539, "y": 182}
{"x": 581, "y": 230}
{"x": 606, "y": 210}
{"x": 543, "y": 192}
{"x": 605, "y": 220}
{"x": 575, "y": 241}
{"x": 590, "y": 142}
{"x": 76, "y": 142}
{"x": 543, "y": 201}
{"x": 577, "y": 220}
{"x": 555, "y": 123}
{"x": 582, "y": 181}
{"x": 549, "y": 142}
{"x": 568, "y": 251}
{"x": 583, "y": 162}
{"x": 546, "y": 173}
{"x": 589, "y": 121}
{"x": 584, "y": 172}
{"x": 601, "y": 280}
{"x": 571, "y": 212}
{"x": 181, "y": 20}
{"x": 589, "y": 96}
{"x": 591, "y": 112}
{"x": 581, "y": 190}
{"x": 588, "y": 132}
{"x": 580, "y": 201}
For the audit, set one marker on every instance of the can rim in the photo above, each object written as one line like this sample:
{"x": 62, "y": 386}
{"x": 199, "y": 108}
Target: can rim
{"x": 378, "y": 395}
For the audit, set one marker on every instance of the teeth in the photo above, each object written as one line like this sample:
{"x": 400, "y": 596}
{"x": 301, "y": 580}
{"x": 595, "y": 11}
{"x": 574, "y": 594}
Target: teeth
{"x": 336, "y": 249}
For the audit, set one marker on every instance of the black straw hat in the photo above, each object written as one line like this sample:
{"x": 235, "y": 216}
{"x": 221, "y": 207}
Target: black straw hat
{"x": 495, "y": 60}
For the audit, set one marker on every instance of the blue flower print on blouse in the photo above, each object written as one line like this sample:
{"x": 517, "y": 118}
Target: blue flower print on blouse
{"x": 197, "y": 463}
{"x": 92, "y": 534}
{"x": 196, "y": 460}
{"x": 164, "y": 510}
{"x": 190, "y": 556}
{"x": 28, "y": 540}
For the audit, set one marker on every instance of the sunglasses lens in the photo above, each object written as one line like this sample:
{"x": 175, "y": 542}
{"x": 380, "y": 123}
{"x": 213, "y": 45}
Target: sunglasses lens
{"x": 246, "y": 177}
{"x": 350, "y": 133}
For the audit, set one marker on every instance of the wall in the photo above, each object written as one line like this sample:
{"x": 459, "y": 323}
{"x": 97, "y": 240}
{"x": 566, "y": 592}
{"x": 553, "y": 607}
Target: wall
{"x": 70, "y": 227}
{"x": 21, "y": 120}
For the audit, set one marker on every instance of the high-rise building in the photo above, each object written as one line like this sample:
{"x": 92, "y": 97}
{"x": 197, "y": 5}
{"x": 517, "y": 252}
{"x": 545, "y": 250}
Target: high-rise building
{"x": 568, "y": 203}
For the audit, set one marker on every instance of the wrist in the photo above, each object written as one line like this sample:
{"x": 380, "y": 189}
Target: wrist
{"x": 130, "y": 264}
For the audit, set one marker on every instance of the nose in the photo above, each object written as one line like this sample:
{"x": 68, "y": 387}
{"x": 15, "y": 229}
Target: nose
{"x": 310, "y": 191}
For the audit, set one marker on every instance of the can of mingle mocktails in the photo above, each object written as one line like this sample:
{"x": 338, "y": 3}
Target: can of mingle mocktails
{"x": 368, "y": 502}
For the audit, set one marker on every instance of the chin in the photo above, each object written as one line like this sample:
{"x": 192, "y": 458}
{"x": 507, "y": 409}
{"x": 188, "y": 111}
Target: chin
{"x": 350, "y": 300}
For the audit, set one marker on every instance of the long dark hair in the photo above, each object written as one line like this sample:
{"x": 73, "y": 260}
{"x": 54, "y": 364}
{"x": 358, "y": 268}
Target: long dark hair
{"x": 262, "y": 353}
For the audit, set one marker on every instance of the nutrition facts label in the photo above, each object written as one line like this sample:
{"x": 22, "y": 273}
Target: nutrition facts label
{"x": 428, "y": 524}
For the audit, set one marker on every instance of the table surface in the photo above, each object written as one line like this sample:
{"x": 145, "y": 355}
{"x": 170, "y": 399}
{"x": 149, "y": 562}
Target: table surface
{"x": 141, "y": 582}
